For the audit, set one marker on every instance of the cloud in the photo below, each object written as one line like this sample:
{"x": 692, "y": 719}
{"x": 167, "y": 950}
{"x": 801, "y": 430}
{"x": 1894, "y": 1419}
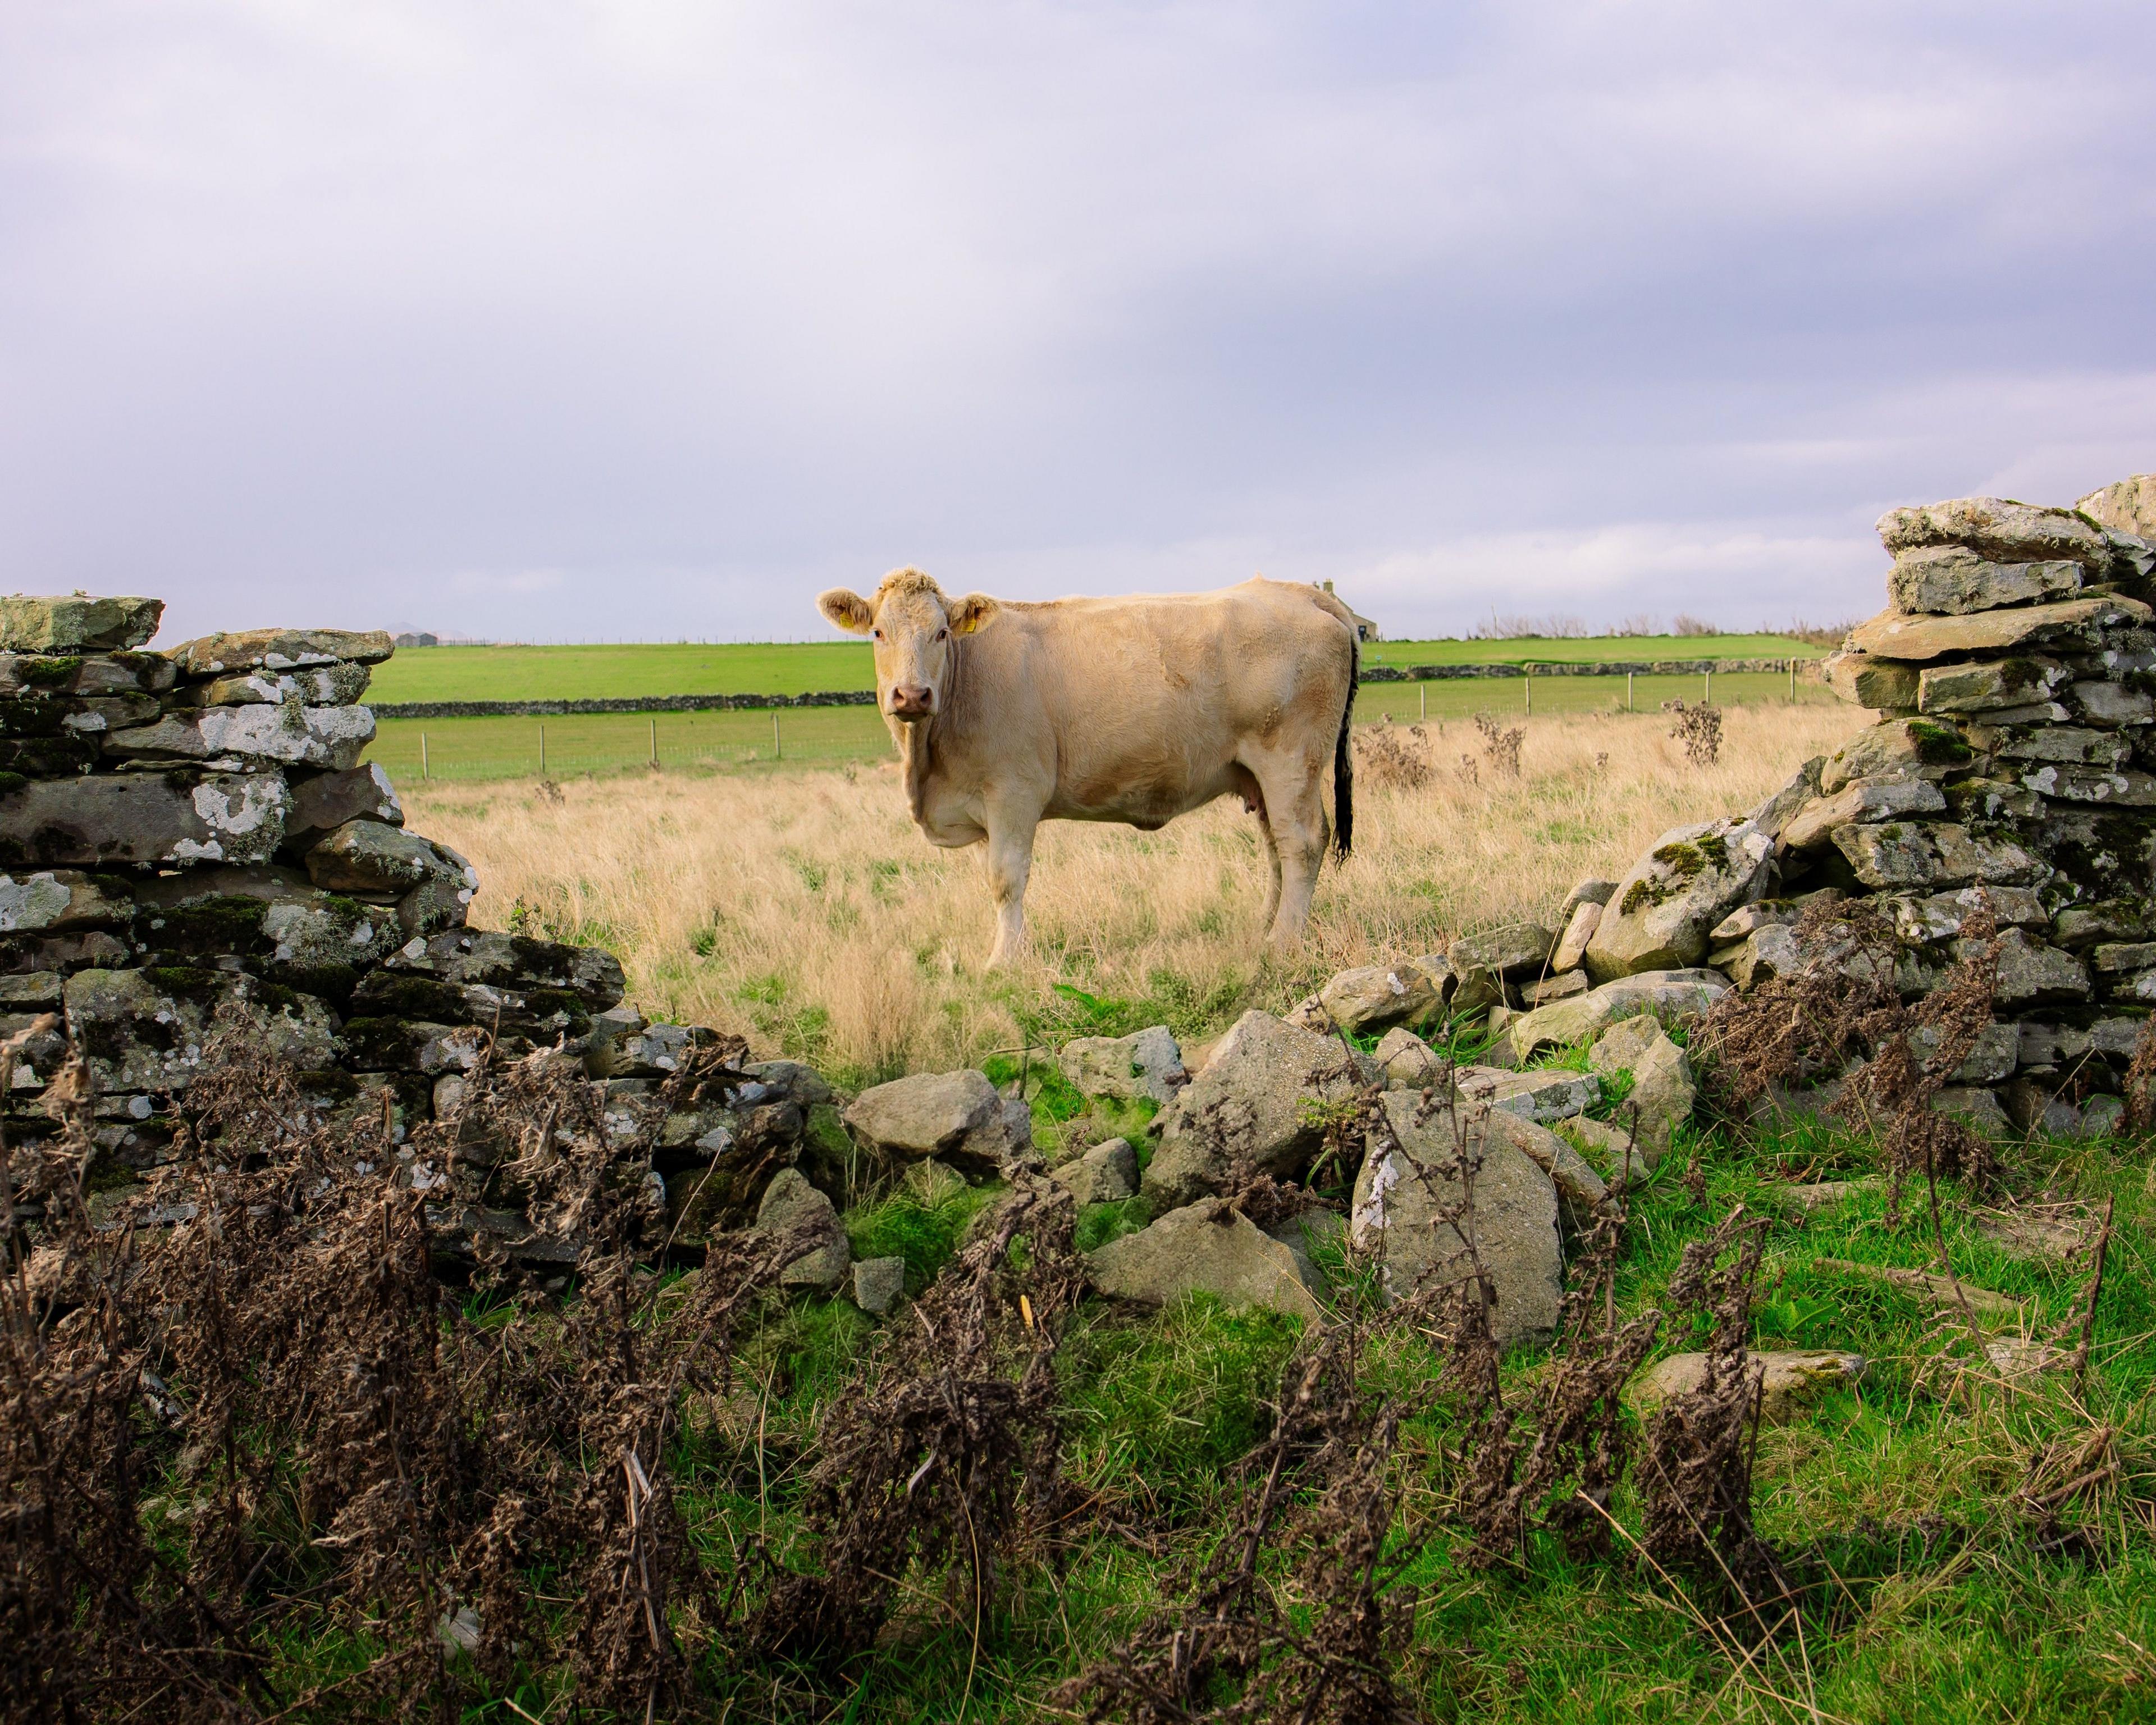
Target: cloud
{"x": 316, "y": 309}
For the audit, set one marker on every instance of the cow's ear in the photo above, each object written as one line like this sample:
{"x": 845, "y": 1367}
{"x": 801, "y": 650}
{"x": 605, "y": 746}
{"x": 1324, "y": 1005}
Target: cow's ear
{"x": 970, "y": 613}
{"x": 848, "y": 609}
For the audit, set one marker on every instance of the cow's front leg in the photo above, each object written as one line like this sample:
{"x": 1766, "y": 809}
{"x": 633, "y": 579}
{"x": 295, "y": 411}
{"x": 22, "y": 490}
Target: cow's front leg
{"x": 1010, "y": 861}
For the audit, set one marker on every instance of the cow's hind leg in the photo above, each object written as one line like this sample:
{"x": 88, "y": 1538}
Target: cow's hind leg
{"x": 1254, "y": 800}
{"x": 1010, "y": 862}
{"x": 1295, "y": 822}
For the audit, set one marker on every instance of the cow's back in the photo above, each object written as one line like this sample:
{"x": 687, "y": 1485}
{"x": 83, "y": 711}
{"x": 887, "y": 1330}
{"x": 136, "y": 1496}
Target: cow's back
{"x": 1145, "y": 702}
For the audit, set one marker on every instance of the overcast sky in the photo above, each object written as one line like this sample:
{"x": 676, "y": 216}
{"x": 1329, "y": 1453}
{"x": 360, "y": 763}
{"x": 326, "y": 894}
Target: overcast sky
{"x": 648, "y": 321}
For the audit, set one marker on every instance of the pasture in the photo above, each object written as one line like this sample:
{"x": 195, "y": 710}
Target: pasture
{"x": 629, "y": 670}
{"x": 474, "y": 750}
{"x": 803, "y": 909}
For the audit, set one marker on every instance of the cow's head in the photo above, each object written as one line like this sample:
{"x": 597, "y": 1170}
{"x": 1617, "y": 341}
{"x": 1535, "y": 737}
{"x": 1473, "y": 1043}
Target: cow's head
{"x": 913, "y": 624}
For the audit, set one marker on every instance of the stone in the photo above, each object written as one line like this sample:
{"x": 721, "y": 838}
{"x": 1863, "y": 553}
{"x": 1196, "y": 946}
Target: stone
{"x": 656, "y": 1050}
{"x": 1991, "y": 800}
{"x": 1666, "y": 993}
{"x": 1663, "y": 1091}
{"x": 396, "y": 1045}
{"x": 1106, "y": 1173}
{"x": 1883, "y": 685}
{"x": 1578, "y": 931}
{"x": 468, "y": 956}
{"x": 1893, "y": 634}
{"x": 145, "y": 1031}
{"x": 2122, "y": 786}
{"x": 791, "y": 1205}
{"x": 1555, "y": 988}
{"x": 1895, "y": 748}
{"x": 1862, "y": 799}
{"x": 1766, "y": 952}
{"x": 1951, "y": 580}
{"x": 1405, "y": 1059}
{"x": 1975, "y": 1107}
{"x": 322, "y": 685}
{"x": 956, "y": 1117}
{"x": 1693, "y": 878}
{"x": 366, "y": 856}
{"x": 329, "y": 800}
{"x": 2070, "y": 745}
{"x": 1771, "y": 816}
{"x": 1810, "y": 1197}
{"x": 1593, "y": 890}
{"x": 2031, "y": 974}
{"x": 2113, "y": 704}
{"x": 1541, "y": 1097}
{"x": 143, "y": 820}
{"x": 1259, "y": 1104}
{"x": 803, "y": 1086}
{"x": 1145, "y": 1064}
{"x": 31, "y": 991}
{"x": 2128, "y": 506}
{"x": 1937, "y": 1290}
{"x": 1790, "y": 1379}
{"x": 43, "y": 1053}
{"x": 332, "y": 736}
{"x": 1369, "y": 998}
{"x": 60, "y": 899}
{"x": 1580, "y": 1191}
{"x": 1902, "y": 854}
{"x": 1209, "y": 1248}
{"x": 1995, "y": 527}
{"x": 878, "y": 1285}
{"x": 1987, "y": 686}
{"x": 279, "y": 649}
{"x": 76, "y": 623}
{"x": 1412, "y": 1176}
{"x": 2108, "y": 852}
{"x": 1749, "y": 919}
{"x": 1991, "y": 1060}
{"x": 1623, "y": 1155}
{"x": 2015, "y": 1357}
{"x": 1514, "y": 950}
{"x": 117, "y": 673}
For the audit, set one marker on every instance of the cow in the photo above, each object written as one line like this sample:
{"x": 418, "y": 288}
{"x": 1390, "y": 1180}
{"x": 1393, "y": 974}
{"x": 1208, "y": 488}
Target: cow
{"x": 1136, "y": 710}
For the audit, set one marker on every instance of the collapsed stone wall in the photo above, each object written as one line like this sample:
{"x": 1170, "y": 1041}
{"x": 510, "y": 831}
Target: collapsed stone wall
{"x": 2014, "y": 676}
{"x": 190, "y": 830}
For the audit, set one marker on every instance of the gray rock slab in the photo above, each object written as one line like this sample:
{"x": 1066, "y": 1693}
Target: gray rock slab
{"x": 329, "y": 737}
{"x": 2065, "y": 622}
{"x": 472, "y": 955}
{"x": 1863, "y": 681}
{"x": 1541, "y": 1097}
{"x": 1106, "y": 1173}
{"x": 146, "y": 1032}
{"x": 143, "y": 819}
{"x": 319, "y": 685}
{"x": 1951, "y": 580}
{"x": 1894, "y": 747}
{"x": 1411, "y": 1179}
{"x": 1989, "y": 686}
{"x": 1996, "y": 527}
{"x": 366, "y": 856}
{"x": 1369, "y": 998}
{"x": 328, "y": 800}
{"x": 1207, "y": 1248}
{"x": 1863, "y": 799}
{"x": 791, "y": 1204}
{"x": 1570, "y": 951}
{"x": 76, "y": 623}
{"x": 60, "y": 899}
{"x": 2129, "y": 506}
{"x": 1663, "y": 1091}
{"x": 1145, "y": 1064}
{"x": 1692, "y": 878}
{"x": 1253, "y": 1105}
{"x": 879, "y": 1284}
{"x": 279, "y": 649}
{"x": 1674, "y": 994}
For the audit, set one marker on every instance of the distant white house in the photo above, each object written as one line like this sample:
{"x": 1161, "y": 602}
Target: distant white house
{"x": 1365, "y": 630}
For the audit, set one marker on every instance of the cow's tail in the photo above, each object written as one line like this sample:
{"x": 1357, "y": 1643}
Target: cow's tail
{"x": 1343, "y": 760}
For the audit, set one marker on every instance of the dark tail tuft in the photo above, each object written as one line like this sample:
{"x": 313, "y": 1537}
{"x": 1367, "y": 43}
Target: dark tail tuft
{"x": 1343, "y": 763}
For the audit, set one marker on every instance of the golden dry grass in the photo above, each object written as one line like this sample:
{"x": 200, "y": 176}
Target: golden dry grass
{"x": 805, "y": 912}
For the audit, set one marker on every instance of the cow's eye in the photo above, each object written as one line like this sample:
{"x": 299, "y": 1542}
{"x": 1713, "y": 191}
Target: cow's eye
{"x": 878, "y": 635}
{"x": 943, "y": 635}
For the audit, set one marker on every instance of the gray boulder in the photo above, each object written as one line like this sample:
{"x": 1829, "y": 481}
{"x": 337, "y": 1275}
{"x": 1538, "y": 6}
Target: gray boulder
{"x": 879, "y": 1284}
{"x": 791, "y": 1204}
{"x": 332, "y": 736}
{"x": 76, "y": 624}
{"x": 279, "y": 649}
{"x": 320, "y": 685}
{"x": 1208, "y": 1248}
{"x": 1929, "y": 748}
{"x": 1693, "y": 878}
{"x": 1407, "y": 1060}
{"x": 1258, "y": 1104}
{"x": 1541, "y": 1097}
{"x": 1791, "y": 1379}
{"x": 143, "y": 819}
{"x": 330, "y": 799}
{"x": 1367, "y": 998}
{"x": 956, "y": 1117}
{"x": 1411, "y": 1177}
{"x": 1666, "y": 993}
{"x": 1145, "y": 1064}
{"x": 1106, "y": 1173}
{"x": 59, "y": 899}
{"x": 1951, "y": 580}
{"x": 1663, "y": 1091}
{"x": 1995, "y": 527}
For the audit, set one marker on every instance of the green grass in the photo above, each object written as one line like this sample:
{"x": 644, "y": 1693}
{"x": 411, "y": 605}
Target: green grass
{"x": 494, "y": 749}
{"x": 799, "y": 668}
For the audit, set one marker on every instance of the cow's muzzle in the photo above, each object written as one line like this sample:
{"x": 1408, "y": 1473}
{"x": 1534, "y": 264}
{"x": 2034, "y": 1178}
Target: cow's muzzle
{"x": 915, "y": 702}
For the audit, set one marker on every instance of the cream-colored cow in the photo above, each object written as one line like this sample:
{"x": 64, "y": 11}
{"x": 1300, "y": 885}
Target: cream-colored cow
{"x": 1135, "y": 709}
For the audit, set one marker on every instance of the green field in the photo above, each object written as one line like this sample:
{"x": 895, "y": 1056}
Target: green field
{"x": 801, "y": 668}
{"x": 465, "y": 749}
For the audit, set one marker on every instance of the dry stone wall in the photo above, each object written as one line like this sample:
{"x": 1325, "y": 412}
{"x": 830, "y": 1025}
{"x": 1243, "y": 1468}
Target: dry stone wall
{"x": 190, "y": 830}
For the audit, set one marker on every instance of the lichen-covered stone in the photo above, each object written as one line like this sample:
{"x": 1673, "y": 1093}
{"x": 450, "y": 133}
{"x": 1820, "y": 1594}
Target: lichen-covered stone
{"x": 1863, "y": 799}
{"x": 1996, "y": 527}
{"x": 1370, "y": 997}
{"x": 2128, "y": 506}
{"x": 366, "y": 856}
{"x": 1989, "y": 685}
{"x": 1896, "y": 748}
{"x": 76, "y": 623}
{"x": 120, "y": 673}
{"x": 328, "y": 800}
{"x": 1884, "y": 685}
{"x": 279, "y": 649}
{"x": 473, "y": 955}
{"x": 1951, "y": 580}
{"x": 1145, "y": 1064}
{"x": 320, "y": 685}
{"x": 1668, "y": 994}
{"x": 144, "y": 1029}
{"x": 791, "y": 1205}
{"x": 1541, "y": 1097}
{"x": 1895, "y": 635}
{"x": 2123, "y": 786}
{"x": 143, "y": 819}
{"x": 1902, "y": 854}
{"x": 1205, "y": 1248}
{"x": 59, "y": 899}
{"x": 329, "y": 737}
{"x": 1693, "y": 878}
{"x": 1106, "y": 1173}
